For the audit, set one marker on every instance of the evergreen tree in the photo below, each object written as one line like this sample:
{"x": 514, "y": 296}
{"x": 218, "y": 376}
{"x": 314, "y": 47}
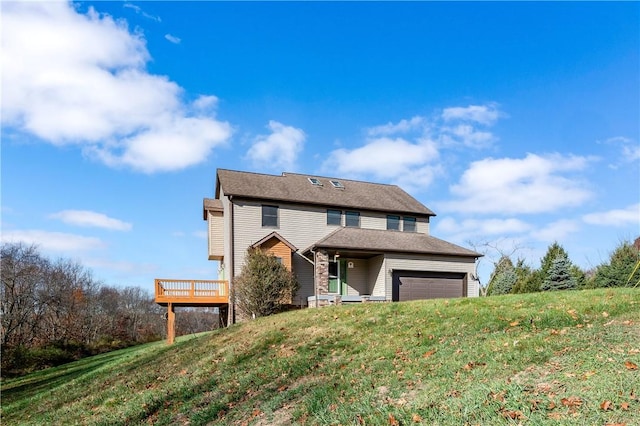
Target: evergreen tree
{"x": 503, "y": 265}
{"x": 554, "y": 251}
{"x": 559, "y": 275}
{"x": 504, "y": 282}
{"x": 618, "y": 271}
{"x": 528, "y": 281}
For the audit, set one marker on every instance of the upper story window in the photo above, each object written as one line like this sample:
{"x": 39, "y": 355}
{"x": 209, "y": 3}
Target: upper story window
{"x": 334, "y": 217}
{"x": 409, "y": 224}
{"x": 315, "y": 181}
{"x": 337, "y": 184}
{"x": 393, "y": 223}
{"x": 270, "y": 216}
{"x": 352, "y": 219}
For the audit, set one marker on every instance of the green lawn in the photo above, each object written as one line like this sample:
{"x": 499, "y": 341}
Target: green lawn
{"x": 546, "y": 358}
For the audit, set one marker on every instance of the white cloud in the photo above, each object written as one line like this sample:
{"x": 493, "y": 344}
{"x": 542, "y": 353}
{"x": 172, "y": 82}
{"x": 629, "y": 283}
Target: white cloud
{"x": 139, "y": 11}
{"x": 475, "y": 229}
{"x": 630, "y": 148}
{"x": 482, "y": 114}
{"x": 173, "y": 39}
{"x": 403, "y": 126}
{"x": 405, "y": 152}
{"x": 483, "y": 227}
{"x": 278, "y": 150}
{"x": 72, "y": 78}
{"x": 617, "y": 217}
{"x": 534, "y": 184}
{"x": 128, "y": 268}
{"x": 466, "y": 135}
{"x": 53, "y": 241}
{"x": 203, "y": 235}
{"x": 396, "y": 160}
{"x": 87, "y": 218}
{"x": 631, "y": 152}
{"x": 556, "y": 231}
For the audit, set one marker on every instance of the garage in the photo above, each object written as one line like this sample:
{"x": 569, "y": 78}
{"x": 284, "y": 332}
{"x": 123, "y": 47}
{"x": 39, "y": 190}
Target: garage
{"x": 417, "y": 285}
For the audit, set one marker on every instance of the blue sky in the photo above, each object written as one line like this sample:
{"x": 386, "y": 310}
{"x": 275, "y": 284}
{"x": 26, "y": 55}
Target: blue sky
{"x": 517, "y": 123}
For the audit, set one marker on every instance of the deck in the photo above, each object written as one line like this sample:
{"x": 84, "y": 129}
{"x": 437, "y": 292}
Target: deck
{"x": 192, "y": 292}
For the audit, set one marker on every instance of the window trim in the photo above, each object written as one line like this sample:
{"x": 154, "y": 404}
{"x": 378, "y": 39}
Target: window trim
{"x": 352, "y": 214}
{"x": 339, "y": 217}
{"x": 277, "y": 216}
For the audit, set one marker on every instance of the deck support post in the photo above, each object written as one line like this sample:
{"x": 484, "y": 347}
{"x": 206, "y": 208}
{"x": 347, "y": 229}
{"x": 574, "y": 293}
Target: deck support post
{"x": 171, "y": 323}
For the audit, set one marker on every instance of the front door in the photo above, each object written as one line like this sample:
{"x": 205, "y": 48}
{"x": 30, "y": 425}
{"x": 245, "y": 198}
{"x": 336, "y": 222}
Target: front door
{"x": 338, "y": 277}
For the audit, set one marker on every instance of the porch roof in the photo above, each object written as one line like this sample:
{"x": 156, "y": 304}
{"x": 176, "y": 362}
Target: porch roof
{"x": 383, "y": 241}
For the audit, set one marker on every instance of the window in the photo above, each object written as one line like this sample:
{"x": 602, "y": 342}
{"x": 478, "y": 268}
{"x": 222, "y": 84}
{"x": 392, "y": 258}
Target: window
{"x": 334, "y": 217}
{"x": 409, "y": 224}
{"x": 270, "y": 216}
{"x": 352, "y": 219}
{"x": 337, "y": 184}
{"x": 315, "y": 181}
{"x": 393, "y": 223}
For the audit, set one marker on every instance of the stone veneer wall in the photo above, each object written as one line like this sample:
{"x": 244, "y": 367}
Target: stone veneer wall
{"x": 322, "y": 272}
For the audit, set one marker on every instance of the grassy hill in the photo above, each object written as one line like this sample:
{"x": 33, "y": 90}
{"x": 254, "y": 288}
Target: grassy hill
{"x": 547, "y": 358}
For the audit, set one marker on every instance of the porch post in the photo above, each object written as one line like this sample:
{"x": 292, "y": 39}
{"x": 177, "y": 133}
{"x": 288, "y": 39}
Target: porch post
{"x": 322, "y": 271}
{"x": 171, "y": 324}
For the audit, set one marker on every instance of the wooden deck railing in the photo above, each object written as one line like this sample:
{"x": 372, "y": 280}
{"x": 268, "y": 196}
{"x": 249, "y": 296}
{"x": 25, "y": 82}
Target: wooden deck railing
{"x": 192, "y": 292}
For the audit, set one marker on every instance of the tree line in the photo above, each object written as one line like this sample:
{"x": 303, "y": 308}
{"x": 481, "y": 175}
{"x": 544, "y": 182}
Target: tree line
{"x": 55, "y": 311}
{"x": 558, "y": 272}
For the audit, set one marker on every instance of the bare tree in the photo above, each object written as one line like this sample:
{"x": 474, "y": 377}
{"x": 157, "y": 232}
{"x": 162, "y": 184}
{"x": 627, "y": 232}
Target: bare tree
{"x": 22, "y": 272}
{"x": 493, "y": 252}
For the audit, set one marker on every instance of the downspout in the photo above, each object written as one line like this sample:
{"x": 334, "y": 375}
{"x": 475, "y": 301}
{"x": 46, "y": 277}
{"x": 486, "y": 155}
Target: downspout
{"x": 315, "y": 273}
{"x": 232, "y": 310}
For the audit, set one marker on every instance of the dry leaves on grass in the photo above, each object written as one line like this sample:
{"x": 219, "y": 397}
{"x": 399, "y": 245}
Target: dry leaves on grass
{"x": 630, "y": 365}
{"x": 471, "y": 365}
{"x": 429, "y": 353}
{"x": 512, "y": 414}
{"x": 606, "y": 405}
{"x": 573, "y": 403}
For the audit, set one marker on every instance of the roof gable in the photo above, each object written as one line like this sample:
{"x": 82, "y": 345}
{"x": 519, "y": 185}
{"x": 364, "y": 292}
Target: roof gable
{"x": 277, "y": 237}
{"x": 296, "y": 188}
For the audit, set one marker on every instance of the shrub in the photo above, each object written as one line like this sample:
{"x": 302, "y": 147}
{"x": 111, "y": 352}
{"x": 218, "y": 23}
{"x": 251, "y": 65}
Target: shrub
{"x": 264, "y": 287}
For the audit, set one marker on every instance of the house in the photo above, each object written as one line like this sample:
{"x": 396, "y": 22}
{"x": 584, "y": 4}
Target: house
{"x": 345, "y": 240}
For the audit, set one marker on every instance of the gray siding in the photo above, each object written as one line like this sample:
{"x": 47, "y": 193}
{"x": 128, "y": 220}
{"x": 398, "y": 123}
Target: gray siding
{"x": 300, "y": 226}
{"x": 376, "y": 276}
{"x": 303, "y": 271}
{"x": 422, "y": 225}
{"x": 357, "y": 277}
{"x": 371, "y": 220}
{"x": 215, "y": 222}
{"x": 226, "y": 221}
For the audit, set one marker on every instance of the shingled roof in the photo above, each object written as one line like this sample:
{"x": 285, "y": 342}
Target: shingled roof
{"x": 296, "y": 188}
{"x": 376, "y": 240}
